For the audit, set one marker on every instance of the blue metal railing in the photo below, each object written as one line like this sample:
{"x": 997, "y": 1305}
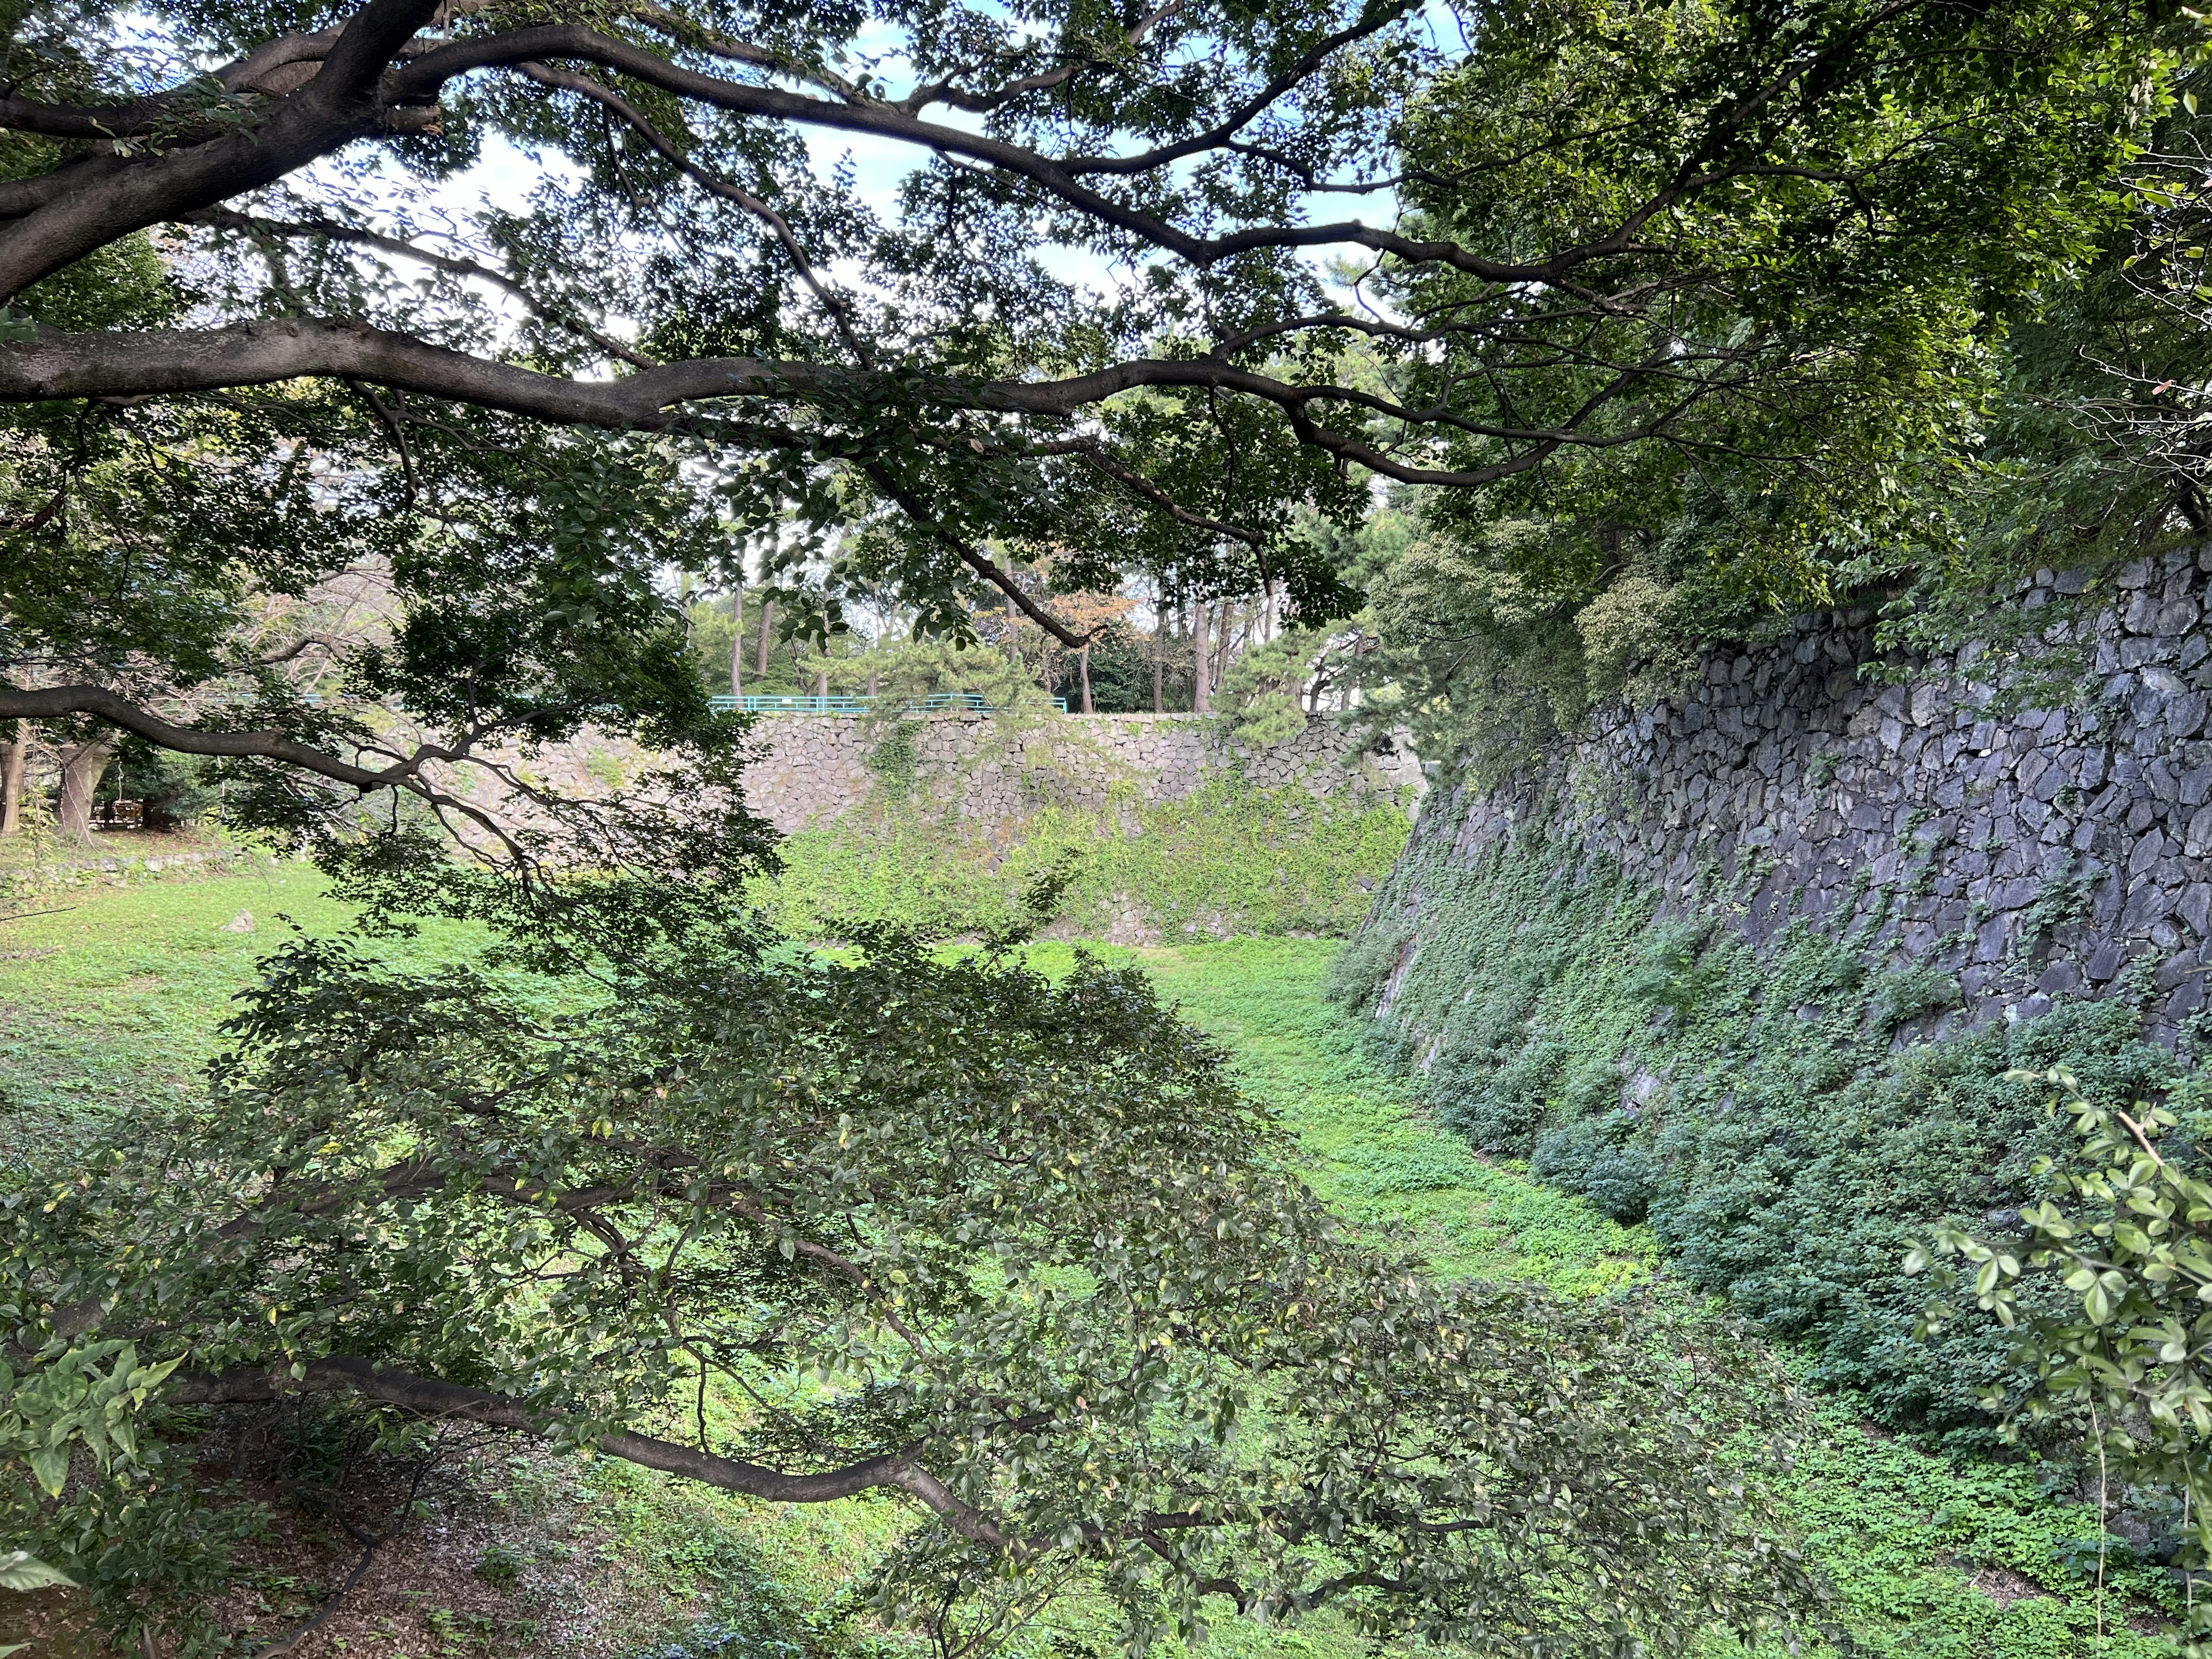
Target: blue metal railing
{"x": 939, "y": 702}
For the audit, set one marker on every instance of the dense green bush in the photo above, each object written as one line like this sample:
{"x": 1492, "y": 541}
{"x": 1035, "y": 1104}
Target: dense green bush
{"x": 1777, "y": 1117}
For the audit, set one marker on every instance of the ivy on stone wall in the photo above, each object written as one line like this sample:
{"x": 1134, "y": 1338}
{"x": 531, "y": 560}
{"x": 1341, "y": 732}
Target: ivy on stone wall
{"x": 1783, "y": 1117}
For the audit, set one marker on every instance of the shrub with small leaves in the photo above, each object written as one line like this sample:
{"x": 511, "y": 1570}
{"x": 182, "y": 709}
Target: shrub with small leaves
{"x": 2127, "y": 1230}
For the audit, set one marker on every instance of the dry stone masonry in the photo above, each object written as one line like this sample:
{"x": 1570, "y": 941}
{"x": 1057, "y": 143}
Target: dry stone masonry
{"x": 813, "y": 769}
{"x": 2038, "y": 855}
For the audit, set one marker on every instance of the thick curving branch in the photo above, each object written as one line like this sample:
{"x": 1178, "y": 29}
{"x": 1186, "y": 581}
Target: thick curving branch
{"x": 433, "y": 1397}
{"x": 167, "y": 362}
{"x": 423, "y": 80}
{"x": 54, "y": 702}
{"x": 89, "y": 203}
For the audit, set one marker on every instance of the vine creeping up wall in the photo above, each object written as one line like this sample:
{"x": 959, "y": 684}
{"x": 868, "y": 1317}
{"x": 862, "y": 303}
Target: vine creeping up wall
{"x": 1753, "y": 964}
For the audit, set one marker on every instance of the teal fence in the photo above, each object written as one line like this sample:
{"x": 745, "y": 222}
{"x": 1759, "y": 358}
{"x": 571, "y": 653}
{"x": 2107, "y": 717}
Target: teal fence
{"x": 941, "y": 703}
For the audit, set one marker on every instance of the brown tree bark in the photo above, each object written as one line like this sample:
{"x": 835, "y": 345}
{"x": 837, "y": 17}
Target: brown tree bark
{"x": 1201, "y": 633}
{"x": 13, "y": 756}
{"x": 1083, "y": 668}
{"x": 83, "y": 765}
{"x": 768, "y": 633}
{"x": 738, "y": 645}
{"x": 1159, "y": 667}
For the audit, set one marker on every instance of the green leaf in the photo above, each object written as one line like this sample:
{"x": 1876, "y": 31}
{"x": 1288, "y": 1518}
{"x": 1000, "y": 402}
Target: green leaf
{"x": 20, "y": 1570}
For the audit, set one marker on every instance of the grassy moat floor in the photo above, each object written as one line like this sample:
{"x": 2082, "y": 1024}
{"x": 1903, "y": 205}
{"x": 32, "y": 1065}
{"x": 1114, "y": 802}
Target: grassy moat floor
{"x": 110, "y": 1004}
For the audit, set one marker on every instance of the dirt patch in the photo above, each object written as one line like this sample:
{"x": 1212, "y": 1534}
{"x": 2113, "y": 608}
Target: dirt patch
{"x": 2003, "y": 1586}
{"x": 498, "y": 1551}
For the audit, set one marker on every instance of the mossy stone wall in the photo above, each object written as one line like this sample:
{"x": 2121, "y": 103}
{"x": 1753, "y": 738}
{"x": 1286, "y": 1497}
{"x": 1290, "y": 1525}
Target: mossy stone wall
{"x": 2033, "y": 855}
{"x": 1753, "y": 964}
{"x": 812, "y": 770}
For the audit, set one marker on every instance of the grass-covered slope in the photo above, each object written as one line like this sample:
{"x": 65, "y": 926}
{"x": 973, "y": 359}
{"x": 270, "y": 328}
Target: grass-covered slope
{"x": 1226, "y": 860}
{"x": 1932, "y": 1552}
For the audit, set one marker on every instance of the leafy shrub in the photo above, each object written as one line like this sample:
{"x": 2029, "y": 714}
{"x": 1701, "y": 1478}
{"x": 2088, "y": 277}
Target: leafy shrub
{"x": 1502, "y": 1115}
{"x": 1591, "y": 1086}
{"x": 1600, "y": 1158}
{"x": 1905, "y": 994}
{"x": 500, "y": 1566}
{"x": 894, "y": 757}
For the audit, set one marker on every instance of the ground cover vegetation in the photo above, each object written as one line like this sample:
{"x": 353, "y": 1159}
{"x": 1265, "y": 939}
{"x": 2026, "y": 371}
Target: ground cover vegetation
{"x": 1087, "y": 855}
{"x": 702, "y": 1162}
{"x": 1222, "y": 860}
{"x": 1755, "y": 1110}
{"x": 1928, "y": 1553}
{"x": 1746, "y": 1105}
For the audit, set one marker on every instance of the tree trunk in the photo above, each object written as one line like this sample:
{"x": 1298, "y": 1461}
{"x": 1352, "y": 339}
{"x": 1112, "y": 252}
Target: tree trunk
{"x": 768, "y": 633}
{"x": 738, "y": 646}
{"x": 822, "y": 684}
{"x": 1202, "y": 633}
{"x": 82, "y": 767}
{"x": 1159, "y": 670}
{"x": 13, "y": 756}
{"x": 1083, "y": 666}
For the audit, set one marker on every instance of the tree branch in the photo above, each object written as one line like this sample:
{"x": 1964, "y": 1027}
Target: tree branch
{"x": 106, "y": 365}
{"x": 453, "y": 265}
{"x": 433, "y": 1397}
{"x": 421, "y": 81}
{"x": 840, "y": 313}
{"x": 56, "y": 701}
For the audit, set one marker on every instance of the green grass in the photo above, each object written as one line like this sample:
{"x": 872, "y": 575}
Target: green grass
{"x": 1374, "y": 1151}
{"x": 1903, "y": 1531}
{"x": 111, "y": 999}
{"x": 114, "y": 1002}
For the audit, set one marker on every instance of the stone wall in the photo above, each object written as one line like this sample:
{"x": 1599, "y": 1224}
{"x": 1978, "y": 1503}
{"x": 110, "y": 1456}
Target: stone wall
{"x": 64, "y": 867}
{"x": 813, "y": 769}
{"x": 2038, "y": 855}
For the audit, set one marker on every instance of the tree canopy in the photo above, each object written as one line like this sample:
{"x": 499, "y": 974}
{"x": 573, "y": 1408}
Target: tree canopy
{"x": 1142, "y": 290}
{"x": 1016, "y": 1250}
